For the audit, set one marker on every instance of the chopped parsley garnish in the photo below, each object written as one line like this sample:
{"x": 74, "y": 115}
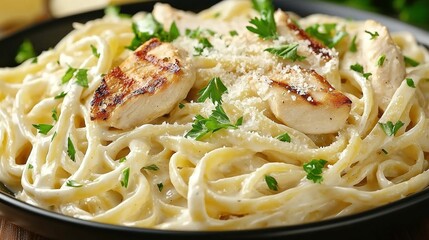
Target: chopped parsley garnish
{"x": 326, "y": 33}
{"x": 271, "y": 183}
{"x": 410, "y": 62}
{"x": 95, "y": 51}
{"x": 216, "y": 15}
{"x": 410, "y": 83}
{"x": 203, "y": 43}
{"x": 181, "y": 105}
{"x": 160, "y": 186}
{"x": 381, "y": 60}
{"x": 373, "y": 35}
{"x": 314, "y": 170}
{"x": 122, "y": 159}
{"x": 61, "y": 95}
{"x": 152, "y": 167}
{"x": 125, "y": 177}
{"x": 391, "y": 129}
{"x": 284, "y": 137}
{"x": 68, "y": 75}
{"x": 73, "y": 183}
{"x": 82, "y": 77}
{"x": 71, "y": 151}
{"x": 35, "y": 60}
{"x": 54, "y": 114}
{"x": 214, "y": 90}
{"x": 353, "y": 46}
{"x": 218, "y": 120}
{"x": 148, "y": 28}
{"x": 30, "y": 166}
{"x": 43, "y": 128}
{"x": 265, "y": 26}
{"x": 359, "y": 68}
{"x": 233, "y": 33}
{"x": 287, "y": 52}
{"x": 25, "y": 51}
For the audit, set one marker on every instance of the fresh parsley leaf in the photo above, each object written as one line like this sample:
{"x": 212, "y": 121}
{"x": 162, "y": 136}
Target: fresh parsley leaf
{"x": 125, "y": 177}
{"x": 82, "y": 77}
{"x": 216, "y": 15}
{"x": 265, "y": 26}
{"x": 193, "y": 33}
{"x": 30, "y": 166}
{"x": 410, "y": 83}
{"x": 271, "y": 183}
{"x": 71, "y": 151}
{"x": 25, "y": 51}
{"x": 326, "y": 33}
{"x": 389, "y": 128}
{"x": 353, "y": 46}
{"x": 284, "y": 137}
{"x": 68, "y": 75}
{"x": 174, "y": 32}
{"x": 181, "y": 105}
{"x": 54, "y": 114}
{"x": 218, "y": 120}
{"x": 233, "y": 33}
{"x": 43, "y": 128}
{"x": 122, "y": 159}
{"x": 203, "y": 43}
{"x": 381, "y": 60}
{"x": 73, "y": 183}
{"x": 214, "y": 90}
{"x": 160, "y": 186}
{"x": 35, "y": 60}
{"x": 359, "y": 68}
{"x": 373, "y": 35}
{"x": 95, "y": 51}
{"x": 152, "y": 167}
{"x": 411, "y": 62}
{"x": 314, "y": 170}
{"x": 287, "y": 52}
{"x": 61, "y": 95}
{"x": 148, "y": 28}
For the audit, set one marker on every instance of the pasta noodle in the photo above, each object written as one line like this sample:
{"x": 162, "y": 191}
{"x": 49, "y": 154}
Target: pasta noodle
{"x": 157, "y": 177}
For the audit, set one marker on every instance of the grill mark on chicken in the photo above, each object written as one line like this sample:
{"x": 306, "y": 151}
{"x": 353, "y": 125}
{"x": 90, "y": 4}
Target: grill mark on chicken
{"x": 128, "y": 94}
{"x": 315, "y": 45}
{"x": 161, "y": 63}
{"x": 294, "y": 90}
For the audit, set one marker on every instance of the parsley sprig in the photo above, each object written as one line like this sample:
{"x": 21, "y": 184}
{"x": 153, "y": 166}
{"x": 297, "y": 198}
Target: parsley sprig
{"x": 410, "y": 62}
{"x": 326, "y": 33}
{"x": 71, "y": 151}
{"x": 373, "y": 35}
{"x": 148, "y": 28}
{"x": 410, "y": 83}
{"x": 265, "y": 26}
{"x": 125, "y": 177}
{"x": 73, "y": 183}
{"x": 81, "y": 76}
{"x": 214, "y": 90}
{"x": 284, "y": 137}
{"x": 216, "y": 121}
{"x": 314, "y": 170}
{"x": 43, "y": 128}
{"x": 25, "y": 52}
{"x": 287, "y": 52}
{"x": 389, "y": 128}
{"x": 203, "y": 43}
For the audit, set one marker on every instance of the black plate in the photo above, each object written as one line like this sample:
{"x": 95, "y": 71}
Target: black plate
{"x": 373, "y": 224}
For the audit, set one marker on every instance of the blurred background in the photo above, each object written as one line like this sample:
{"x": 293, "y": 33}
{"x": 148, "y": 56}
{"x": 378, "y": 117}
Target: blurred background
{"x": 16, "y": 14}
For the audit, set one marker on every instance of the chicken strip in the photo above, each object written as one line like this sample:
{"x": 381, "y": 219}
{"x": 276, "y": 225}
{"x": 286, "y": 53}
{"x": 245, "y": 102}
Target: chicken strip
{"x": 147, "y": 85}
{"x": 386, "y": 77}
{"x": 304, "y": 100}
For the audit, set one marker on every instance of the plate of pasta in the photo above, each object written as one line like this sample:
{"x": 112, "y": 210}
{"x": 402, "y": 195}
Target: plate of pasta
{"x": 231, "y": 119}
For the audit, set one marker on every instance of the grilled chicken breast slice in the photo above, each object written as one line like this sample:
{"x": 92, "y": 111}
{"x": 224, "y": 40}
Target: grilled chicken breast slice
{"x": 304, "y": 100}
{"x": 147, "y": 85}
{"x": 387, "y": 77}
